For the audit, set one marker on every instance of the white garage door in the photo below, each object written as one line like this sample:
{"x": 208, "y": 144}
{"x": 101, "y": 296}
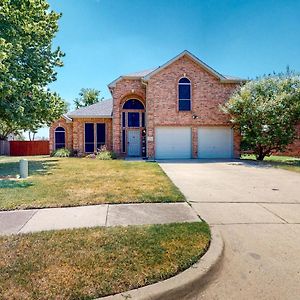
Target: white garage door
{"x": 173, "y": 142}
{"x": 215, "y": 142}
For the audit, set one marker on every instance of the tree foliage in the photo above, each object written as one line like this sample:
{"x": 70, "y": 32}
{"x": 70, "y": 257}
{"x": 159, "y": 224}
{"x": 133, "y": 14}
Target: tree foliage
{"x": 27, "y": 65}
{"x": 87, "y": 97}
{"x": 266, "y": 111}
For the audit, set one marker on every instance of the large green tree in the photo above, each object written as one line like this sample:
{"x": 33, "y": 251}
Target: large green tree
{"x": 266, "y": 111}
{"x": 87, "y": 97}
{"x": 27, "y": 66}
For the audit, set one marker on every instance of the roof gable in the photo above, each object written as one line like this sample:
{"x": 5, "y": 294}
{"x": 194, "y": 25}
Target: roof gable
{"x": 147, "y": 74}
{"x": 222, "y": 78}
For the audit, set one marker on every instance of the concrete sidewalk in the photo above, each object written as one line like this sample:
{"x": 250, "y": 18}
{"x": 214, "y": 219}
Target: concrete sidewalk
{"x": 24, "y": 221}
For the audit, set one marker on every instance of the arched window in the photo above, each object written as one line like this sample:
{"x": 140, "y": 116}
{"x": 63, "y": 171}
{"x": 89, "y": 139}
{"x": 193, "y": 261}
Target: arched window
{"x": 133, "y": 104}
{"x": 184, "y": 94}
{"x": 60, "y": 138}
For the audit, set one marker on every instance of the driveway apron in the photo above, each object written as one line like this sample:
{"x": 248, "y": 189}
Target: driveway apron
{"x": 257, "y": 211}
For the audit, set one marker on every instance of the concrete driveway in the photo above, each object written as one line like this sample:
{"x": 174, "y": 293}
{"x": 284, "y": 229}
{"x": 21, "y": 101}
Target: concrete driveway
{"x": 257, "y": 211}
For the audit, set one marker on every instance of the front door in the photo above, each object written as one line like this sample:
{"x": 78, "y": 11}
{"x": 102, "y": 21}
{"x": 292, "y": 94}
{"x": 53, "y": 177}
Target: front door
{"x": 134, "y": 143}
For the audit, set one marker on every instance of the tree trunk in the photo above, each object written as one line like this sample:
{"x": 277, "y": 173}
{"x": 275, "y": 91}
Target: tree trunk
{"x": 259, "y": 153}
{"x": 260, "y": 156}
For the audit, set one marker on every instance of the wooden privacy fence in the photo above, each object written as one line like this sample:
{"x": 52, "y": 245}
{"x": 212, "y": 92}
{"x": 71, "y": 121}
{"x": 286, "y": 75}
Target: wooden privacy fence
{"x": 4, "y": 147}
{"x": 22, "y": 148}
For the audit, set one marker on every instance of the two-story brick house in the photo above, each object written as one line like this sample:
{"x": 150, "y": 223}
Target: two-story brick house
{"x": 172, "y": 111}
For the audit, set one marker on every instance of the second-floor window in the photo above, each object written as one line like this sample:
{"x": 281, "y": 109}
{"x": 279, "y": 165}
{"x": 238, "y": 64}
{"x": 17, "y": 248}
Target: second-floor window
{"x": 184, "y": 94}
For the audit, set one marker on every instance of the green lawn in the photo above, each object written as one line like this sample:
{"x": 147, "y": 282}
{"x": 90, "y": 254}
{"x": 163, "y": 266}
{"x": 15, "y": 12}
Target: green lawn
{"x": 283, "y": 162}
{"x": 90, "y": 263}
{"x": 56, "y": 182}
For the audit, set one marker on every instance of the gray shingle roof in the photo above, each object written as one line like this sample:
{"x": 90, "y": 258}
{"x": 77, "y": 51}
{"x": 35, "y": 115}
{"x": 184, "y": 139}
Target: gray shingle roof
{"x": 233, "y": 78}
{"x": 102, "y": 109}
{"x": 140, "y": 73}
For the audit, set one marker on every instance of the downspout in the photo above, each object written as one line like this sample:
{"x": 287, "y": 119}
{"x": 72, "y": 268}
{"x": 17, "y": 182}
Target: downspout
{"x": 112, "y": 118}
{"x": 145, "y": 83}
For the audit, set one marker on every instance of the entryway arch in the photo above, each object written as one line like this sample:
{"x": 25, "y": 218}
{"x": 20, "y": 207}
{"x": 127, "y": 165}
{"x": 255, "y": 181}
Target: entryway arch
{"x": 133, "y": 123}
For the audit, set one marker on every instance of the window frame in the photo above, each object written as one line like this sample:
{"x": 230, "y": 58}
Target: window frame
{"x": 142, "y": 106}
{"x": 62, "y": 131}
{"x": 90, "y": 143}
{"x": 138, "y": 119}
{"x": 97, "y": 142}
{"x": 178, "y": 94}
{"x": 95, "y": 136}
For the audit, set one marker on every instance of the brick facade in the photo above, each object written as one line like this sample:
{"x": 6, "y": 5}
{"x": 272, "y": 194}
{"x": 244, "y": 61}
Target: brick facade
{"x": 75, "y": 132}
{"x": 124, "y": 90}
{"x": 159, "y": 94}
{"x": 78, "y": 132}
{"x": 69, "y": 133}
{"x": 208, "y": 93}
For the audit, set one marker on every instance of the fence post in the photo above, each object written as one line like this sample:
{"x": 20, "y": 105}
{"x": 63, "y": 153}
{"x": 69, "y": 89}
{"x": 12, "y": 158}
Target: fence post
{"x": 23, "y": 168}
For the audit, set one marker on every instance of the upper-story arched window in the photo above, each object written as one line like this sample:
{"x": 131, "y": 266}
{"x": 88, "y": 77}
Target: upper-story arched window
{"x": 184, "y": 94}
{"x": 60, "y": 138}
{"x": 133, "y": 104}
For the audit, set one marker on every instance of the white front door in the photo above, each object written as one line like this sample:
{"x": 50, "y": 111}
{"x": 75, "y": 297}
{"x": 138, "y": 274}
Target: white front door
{"x": 173, "y": 142}
{"x": 134, "y": 142}
{"x": 215, "y": 142}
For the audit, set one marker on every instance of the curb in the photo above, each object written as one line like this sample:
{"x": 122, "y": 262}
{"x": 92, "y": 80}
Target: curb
{"x": 185, "y": 285}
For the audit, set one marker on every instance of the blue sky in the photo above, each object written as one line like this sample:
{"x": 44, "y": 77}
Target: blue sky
{"x": 103, "y": 39}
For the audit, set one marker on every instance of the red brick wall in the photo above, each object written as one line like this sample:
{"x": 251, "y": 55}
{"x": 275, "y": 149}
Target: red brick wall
{"x": 69, "y": 132}
{"x": 75, "y": 132}
{"x": 207, "y": 95}
{"x": 124, "y": 90}
{"x": 161, "y": 102}
{"x": 78, "y": 131}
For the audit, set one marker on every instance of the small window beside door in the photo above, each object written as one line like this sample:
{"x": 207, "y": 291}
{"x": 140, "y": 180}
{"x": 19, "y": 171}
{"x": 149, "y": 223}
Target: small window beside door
{"x": 60, "y": 138}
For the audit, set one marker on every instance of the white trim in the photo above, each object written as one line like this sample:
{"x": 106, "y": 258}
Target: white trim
{"x": 91, "y": 116}
{"x": 67, "y": 118}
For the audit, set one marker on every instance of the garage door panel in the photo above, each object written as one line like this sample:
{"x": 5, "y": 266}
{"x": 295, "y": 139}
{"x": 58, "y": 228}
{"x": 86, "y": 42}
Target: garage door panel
{"x": 215, "y": 142}
{"x": 173, "y": 142}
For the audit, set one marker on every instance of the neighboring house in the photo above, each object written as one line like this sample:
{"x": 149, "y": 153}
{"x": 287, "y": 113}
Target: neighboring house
{"x": 294, "y": 148}
{"x": 172, "y": 111}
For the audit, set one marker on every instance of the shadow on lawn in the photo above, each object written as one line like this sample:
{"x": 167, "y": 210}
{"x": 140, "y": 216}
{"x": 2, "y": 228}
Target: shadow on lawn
{"x": 273, "y": 163}
{"x": 10, "y": 184}
{"x": 36, "y": 167}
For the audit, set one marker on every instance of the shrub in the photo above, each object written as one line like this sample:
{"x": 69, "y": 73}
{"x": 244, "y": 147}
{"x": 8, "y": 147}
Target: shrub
{"x": 75, "y": 153}
{"x": 63, "y": 152}
{"x": 266, "y": 111}
{"x": 104, "y": 154}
